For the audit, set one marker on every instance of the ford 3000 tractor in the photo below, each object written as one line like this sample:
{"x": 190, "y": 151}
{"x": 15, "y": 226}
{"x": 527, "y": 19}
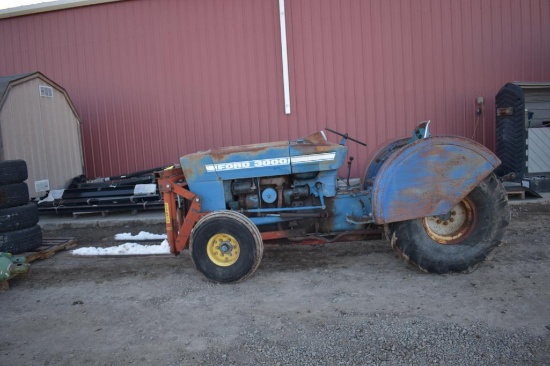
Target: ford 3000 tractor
{"x": 436, "y": 199}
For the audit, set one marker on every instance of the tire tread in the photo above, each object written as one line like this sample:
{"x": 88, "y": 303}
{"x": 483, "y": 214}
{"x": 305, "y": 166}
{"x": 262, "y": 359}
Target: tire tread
{"x": 20, "y": 241}
{"x": 19, "y": 217}
{"x": 13, "y": 171}
{"x": 197, "y": 256}
{"x": 412, "y": 243}
{"x": 14, "y": 194}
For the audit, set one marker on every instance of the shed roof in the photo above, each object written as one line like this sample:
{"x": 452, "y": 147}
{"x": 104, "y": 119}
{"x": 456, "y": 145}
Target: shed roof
{"x": 532, "y": 85}
{"x": 6, "y": 82}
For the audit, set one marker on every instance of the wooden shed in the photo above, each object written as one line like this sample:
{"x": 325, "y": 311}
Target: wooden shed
{"x": 39, "y": 124}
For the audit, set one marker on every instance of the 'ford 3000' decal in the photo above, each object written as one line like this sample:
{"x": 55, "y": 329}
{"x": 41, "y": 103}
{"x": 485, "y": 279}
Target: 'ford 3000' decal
{"x": 262, "y": 163}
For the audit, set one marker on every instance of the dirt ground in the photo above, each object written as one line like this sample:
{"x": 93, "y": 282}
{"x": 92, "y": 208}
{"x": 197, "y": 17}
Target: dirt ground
{"x": 341, "y": 303}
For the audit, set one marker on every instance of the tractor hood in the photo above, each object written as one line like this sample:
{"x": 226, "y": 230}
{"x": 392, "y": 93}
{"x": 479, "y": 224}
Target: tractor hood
{"x": 310, "y": 154}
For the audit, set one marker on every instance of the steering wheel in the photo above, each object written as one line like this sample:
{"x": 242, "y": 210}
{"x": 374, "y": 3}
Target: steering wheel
{"x": 345, "y": 136}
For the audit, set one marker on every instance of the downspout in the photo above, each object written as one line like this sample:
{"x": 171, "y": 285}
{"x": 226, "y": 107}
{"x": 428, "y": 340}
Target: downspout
{"x": 284, "y": 56}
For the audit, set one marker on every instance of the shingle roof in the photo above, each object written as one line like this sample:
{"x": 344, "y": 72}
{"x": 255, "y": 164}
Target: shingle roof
{"x": 6, "y": 80}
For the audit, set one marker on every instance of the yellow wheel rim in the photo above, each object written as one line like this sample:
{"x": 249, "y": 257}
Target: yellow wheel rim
{"x": 223, "y": 249}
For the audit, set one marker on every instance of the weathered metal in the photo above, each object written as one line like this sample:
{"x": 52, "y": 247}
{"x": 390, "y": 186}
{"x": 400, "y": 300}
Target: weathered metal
{"x": 290, "y": 191}
{"x": 379, "y": 158}
{"x": 172, "y": 184}
{"x": 11, "y": 265}
{"x": 410, "y": 178}
{"x": 204, "y": 171}
{"x": 429, "y": 177}
{"x": 453, "y": 226}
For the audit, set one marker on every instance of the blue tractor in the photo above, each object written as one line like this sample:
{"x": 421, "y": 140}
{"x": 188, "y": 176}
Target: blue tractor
{"x": 436, "y": 199}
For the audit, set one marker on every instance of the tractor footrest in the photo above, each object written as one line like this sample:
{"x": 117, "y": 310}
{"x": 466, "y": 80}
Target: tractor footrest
{"x": 359, "y": 220}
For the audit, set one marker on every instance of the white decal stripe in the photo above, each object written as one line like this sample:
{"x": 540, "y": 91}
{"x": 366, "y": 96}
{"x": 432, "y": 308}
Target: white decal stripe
{"x": 264, "y": 163}
{"x": 248, "y": 164}
{"x": 314, "y": 158}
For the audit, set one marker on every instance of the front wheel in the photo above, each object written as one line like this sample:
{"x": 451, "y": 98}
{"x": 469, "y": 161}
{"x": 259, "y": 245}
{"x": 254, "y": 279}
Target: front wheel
{"x": 459, "y": 240}
{"x": 226, "y": 246}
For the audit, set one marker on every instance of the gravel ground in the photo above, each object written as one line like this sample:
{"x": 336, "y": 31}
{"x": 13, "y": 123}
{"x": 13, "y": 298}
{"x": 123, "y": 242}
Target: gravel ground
{"x": 345, "y": 303}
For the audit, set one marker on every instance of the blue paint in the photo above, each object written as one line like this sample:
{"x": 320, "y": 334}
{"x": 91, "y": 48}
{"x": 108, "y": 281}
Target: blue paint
{"x": 289, "y": 209}
{"x": 269, "y": 195}
{"x": 414, "y": 178}
{"x": 212, "y": 195}
{"x": 429, "y": 177}
{"x": 329, "y": 180}
{"x": 285, "y": 209}
{"x": 206, "y": 171}
{"x": 356, "y": 204}
{"x": 258, "y": 221}
{"x": 316, "y": 157}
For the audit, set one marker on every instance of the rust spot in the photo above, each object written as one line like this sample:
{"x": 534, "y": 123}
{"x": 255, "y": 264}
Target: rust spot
{"x": 219, "y": 154}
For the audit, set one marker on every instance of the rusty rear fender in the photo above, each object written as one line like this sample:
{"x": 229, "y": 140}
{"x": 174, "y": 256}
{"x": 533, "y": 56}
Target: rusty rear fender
{"x": 429, "y": 177}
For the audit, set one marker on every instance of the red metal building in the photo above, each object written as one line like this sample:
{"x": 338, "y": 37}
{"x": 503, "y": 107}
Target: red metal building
{"x": 156, "y": 79}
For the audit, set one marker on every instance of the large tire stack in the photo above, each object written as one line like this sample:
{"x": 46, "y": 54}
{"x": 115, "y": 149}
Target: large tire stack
{"x": 511, "y": 133}
{"x": 19, "y": 231}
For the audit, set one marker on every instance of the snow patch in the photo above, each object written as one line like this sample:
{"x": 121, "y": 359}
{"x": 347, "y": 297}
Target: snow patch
{"x": 125, "y": 249}
{"x": 143, "y": 235}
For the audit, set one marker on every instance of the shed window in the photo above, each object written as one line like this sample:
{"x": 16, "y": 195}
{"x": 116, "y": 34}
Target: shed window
{"x": 46, "y": 91}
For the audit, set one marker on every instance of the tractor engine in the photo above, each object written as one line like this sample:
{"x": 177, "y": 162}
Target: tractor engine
{"x": 276, "y": 192}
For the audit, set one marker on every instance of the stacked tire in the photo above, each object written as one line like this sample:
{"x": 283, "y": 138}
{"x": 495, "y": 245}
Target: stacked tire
{"x": 19, "y": 231}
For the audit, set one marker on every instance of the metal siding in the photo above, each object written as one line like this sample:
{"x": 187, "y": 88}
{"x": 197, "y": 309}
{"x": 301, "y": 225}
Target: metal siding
{"x": 538, "y": 102}
{"x": 154, "y": 80}
{"x": 538, "y": 150}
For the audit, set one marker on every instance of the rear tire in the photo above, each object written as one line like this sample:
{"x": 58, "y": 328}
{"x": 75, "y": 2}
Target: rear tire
{"x": 461, "y": 240}
{"x": 20, "y": 241}
{"x": 226, "y": 246}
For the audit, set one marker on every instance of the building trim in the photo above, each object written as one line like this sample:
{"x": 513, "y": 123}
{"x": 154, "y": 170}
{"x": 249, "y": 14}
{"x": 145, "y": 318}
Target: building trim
{"x": 49, "y": 6}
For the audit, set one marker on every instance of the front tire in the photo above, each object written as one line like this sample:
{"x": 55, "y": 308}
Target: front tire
{"x": 226, "y": 246}
{"x": 460, "y": 240}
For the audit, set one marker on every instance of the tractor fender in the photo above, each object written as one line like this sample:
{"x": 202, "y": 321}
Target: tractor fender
{"x": 429, "y": 177}
{"x": 379, "y": 158}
